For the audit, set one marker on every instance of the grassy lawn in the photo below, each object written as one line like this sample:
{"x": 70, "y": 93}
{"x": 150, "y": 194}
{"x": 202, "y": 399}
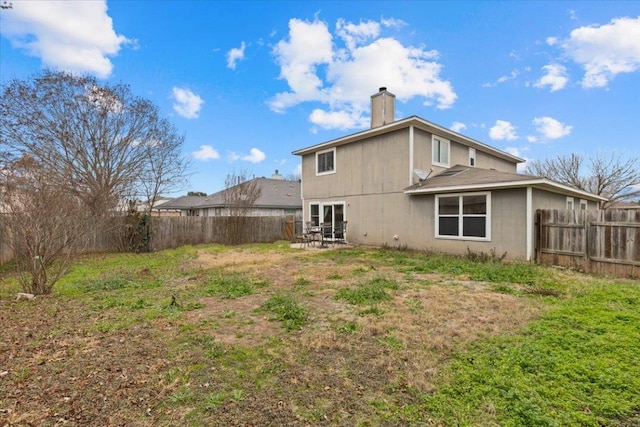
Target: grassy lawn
{"x": 265, "y": 335}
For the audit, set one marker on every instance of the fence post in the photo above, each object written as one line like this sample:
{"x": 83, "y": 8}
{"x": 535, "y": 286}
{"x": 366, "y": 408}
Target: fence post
{"x": 587, "y": 242}
{"x": 538, "y": 237}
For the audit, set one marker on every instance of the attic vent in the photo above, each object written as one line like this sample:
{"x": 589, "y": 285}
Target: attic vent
{"x": 452, "y": 172}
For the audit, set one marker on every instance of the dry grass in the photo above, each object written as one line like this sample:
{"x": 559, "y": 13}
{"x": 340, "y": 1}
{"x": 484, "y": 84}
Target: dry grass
{"x": 220, "y": 361}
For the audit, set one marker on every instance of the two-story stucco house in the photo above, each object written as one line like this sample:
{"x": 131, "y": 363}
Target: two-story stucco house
{"x": 416, "y": 184}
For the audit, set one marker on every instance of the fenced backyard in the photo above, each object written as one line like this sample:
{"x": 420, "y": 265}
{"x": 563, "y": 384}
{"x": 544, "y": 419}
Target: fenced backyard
{"x": 173, "y": 232}
{"x": 602, "y": 242}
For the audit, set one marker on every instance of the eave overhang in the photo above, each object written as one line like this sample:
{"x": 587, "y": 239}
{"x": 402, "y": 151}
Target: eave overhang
{"x": 539, "y": 183}
{"x": 418, "y": 123}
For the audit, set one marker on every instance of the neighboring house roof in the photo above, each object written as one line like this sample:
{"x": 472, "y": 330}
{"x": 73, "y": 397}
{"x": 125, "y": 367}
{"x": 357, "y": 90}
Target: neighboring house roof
{"x": 183, "y": 202}
{"x": 274, "y": 193}
{"x": 624, "y": 205}
{"x": 461, "y": 178}
{"x": 417, "y": 122}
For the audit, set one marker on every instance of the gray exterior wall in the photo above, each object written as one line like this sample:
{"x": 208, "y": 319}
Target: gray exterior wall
{"x": 382, "y": 164}
{"x": 369, "y": 180}
{"x": 371, "y": 175}
{"x": 400, "y": 220}
{"x": 547, "y": 200}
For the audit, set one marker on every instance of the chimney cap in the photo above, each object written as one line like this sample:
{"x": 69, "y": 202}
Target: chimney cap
{"x": 383, "y": 88}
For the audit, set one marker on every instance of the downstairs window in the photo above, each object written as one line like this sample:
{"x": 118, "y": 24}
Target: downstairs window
{"x": 464, "y": 216}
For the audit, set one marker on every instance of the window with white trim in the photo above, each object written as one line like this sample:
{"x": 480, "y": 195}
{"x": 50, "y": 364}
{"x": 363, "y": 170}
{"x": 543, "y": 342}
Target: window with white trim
{"x": 326, "y": 162}
{"x": 472, "y": 157}
{"x": 583, "y": 205}
{"x": 314, "y": 214}
{"x": 464, "y": 216}
{"x": 569, "y": 203}
{"x": 440, "y": 151}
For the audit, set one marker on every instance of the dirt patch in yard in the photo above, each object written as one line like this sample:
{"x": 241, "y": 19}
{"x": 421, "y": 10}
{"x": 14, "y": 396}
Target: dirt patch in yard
{"x": 223, "y": 362}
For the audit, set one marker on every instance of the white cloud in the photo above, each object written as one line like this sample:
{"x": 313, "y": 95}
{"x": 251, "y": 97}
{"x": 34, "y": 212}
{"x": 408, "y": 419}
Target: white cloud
{"x": 605, "y": 51}
{"x": 255, "y": 156}
{"x": 458, "y": 126}
{"x": 357, "y": 34}
{"x": 551, "y": 128}
{"x": 309, "y": 45}
{"x": 235, "y": 55}
{"x": 502, "y": 79}
{"x": 513, "y": 151}
{"x": 555, "y": 77}
{"x": 187, "y": 104}
{"x": 532, "y": 138}
{"x": 343, "y": 70}
{"x": 206, "y": 152}
{"x": 342, "y": 120}
{"x": 552, "y": 41}
{"x": 503, "y": 130}
{"x": 392, "y": 23}
{"x": 297, "y": 171}
{"x": 72, "y": 36}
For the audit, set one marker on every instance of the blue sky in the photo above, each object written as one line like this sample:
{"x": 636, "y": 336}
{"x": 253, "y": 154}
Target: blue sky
{"x": 249, "y": 82}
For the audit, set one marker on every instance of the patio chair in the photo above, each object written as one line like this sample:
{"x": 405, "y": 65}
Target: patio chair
{"x": 340, "y": 233}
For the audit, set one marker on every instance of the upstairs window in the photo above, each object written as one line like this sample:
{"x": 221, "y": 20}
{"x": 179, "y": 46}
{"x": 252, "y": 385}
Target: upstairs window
{"x": 569, "y": 203}
{"x": 440, "y": 154}
{"x": 464, "y": 216}
{"x": 326, "y": 162}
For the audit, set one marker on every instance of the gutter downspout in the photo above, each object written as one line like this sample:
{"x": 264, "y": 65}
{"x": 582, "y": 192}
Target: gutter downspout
{"x": 411, "y": 166}
{"x": 529, "y": 225}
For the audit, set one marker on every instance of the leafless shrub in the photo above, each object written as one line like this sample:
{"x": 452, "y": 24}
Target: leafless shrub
{"x": 240, "y": 196}
{"x": 44, "y": 224}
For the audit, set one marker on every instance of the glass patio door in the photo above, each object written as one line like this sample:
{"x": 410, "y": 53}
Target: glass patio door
{"x": 332, "y": 216}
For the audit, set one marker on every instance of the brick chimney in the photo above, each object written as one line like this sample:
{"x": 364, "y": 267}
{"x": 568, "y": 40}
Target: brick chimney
{"x": 383, "y": 108}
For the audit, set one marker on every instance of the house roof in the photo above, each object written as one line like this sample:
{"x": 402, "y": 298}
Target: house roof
{"x": 274, "y": 193}
{"x": 417, "y": 122}
{"x": 461, "y": 178}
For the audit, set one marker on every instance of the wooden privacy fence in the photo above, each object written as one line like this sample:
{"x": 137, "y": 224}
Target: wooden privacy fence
{"x": 601, "y": 241}
{"x": 172, "y": 232}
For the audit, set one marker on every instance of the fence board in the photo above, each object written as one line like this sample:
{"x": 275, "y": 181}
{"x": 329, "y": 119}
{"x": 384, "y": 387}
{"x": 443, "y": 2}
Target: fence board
{"x": 603, "y": 242}
{"x": 173, "y": 232}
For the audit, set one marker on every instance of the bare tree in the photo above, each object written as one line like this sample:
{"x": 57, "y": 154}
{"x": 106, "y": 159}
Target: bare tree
{"x": 608, "y": 175}
{"x": 108, "y": 144}
{"x": 44, "y": 223}
{"x": 293, "y": 177}
{"x": 240, "y": 196}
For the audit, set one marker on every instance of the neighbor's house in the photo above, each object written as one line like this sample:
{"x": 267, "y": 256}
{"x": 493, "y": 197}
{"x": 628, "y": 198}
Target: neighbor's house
{"x": 278, "y": 197}
{"x": 415, "y": 184}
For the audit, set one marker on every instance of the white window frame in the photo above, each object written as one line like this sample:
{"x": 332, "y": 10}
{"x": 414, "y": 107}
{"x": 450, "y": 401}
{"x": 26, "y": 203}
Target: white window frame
{"x": 472, "y": 157}
{"x": 570, "y": 205}
{"x": 327, "y": 172}
{"x": 318, "y": 216}
{"x": 461, "y": 217}
{"x": 583, "y": 205}
{"x": 440, "y": 143}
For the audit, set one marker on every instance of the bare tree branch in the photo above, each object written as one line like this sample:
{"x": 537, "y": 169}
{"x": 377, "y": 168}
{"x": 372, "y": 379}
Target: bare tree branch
{"x": 609, "y": 175}
{"x": 240, "y": 196}
{"x": 105, "y": 142}
{"x": 44, "y": 224}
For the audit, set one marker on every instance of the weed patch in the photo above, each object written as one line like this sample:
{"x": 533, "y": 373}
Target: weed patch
{"x": 371, "y": 292}
{"x": 287, "y": 310}
{"x": 232, "y": 285}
